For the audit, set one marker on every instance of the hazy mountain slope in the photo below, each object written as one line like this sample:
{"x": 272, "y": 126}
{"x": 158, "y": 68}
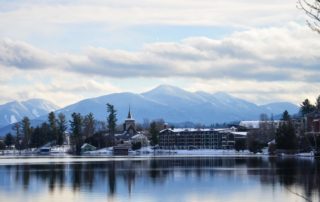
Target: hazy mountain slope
{"x": 14, "y": 111}
{"x": 280, "y": 107}
{"x": 173, "y": 104}
{"x": 177, "y": 105}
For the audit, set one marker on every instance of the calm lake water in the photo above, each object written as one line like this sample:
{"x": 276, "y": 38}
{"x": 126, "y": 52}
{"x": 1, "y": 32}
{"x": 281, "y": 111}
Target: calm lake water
{"x": 159, "y": 179}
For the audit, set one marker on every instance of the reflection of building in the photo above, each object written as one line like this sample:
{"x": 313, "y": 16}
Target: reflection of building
{"x": 186, "y": 138}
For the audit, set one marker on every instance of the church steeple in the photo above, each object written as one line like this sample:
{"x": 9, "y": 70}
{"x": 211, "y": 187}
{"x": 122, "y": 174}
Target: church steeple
{"x": 129, "y": 125}
{"x": 129, "y": 114}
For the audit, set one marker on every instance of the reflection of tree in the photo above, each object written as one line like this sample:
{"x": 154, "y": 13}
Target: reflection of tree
{"x": 26, "y": 176}
{"x": 286, "y": 172}
{"x": 76, "y": 170}
{"x": 112, "y": 177}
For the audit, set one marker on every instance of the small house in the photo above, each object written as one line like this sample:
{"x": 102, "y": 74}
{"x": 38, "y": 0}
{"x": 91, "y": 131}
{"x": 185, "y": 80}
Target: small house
{"x": 87, "y": 147}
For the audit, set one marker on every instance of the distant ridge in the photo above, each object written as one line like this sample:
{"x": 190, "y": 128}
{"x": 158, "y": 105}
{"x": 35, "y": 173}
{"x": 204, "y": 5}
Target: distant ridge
{"x": 12, "y": 112}
{"x": 171, "y": 103}
{"x": 176, "y": 105}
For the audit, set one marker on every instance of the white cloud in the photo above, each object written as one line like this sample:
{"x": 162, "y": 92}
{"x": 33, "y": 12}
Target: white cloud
{"x": 270, "y": 54}
{"x": 188, "y": 12}
{"x": 22, "y": 55}
{"x": 271, "y": 59}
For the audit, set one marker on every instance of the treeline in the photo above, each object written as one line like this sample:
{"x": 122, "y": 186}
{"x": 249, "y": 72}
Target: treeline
{"x": 288, "y": 136}
{"x": 52, "y": 132}
{"x": 307, "y": 107}
{"x": 82, "y": 129}
{"x": 26, "y": 136}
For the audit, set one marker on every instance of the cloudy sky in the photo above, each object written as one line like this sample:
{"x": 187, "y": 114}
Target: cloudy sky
{"x": 65, "y": 51}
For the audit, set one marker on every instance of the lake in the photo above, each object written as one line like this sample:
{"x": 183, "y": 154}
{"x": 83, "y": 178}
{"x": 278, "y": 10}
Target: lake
{"x": 160, "y": 179}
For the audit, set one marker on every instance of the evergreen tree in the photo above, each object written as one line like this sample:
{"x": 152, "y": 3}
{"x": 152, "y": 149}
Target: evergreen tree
{"x": 318, "y": 103}
{"x": 37, "y": 139}
{"x": 53, "y": 127}
{"x": 27, "y": 131}
{"x": 2, "y": 146}
{"x": 306, "y": 107}
{"x": 76, "y": 128}
{"x": 62, "y": 127}
{"x": 89, "y": 125}
{"x": 45, "y": 133}
{"x": 9, "y": 140}
{"x": 154, "y": 132}
{"x": 17, "y": 128}
{"x": 111, "y": 120}
{"x": 285, "y": 135}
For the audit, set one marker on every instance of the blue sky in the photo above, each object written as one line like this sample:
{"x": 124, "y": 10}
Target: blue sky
{"x": 65, "y": 51}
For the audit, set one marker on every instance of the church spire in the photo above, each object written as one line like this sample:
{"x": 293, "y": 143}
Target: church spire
{"x": 129, "y": 114}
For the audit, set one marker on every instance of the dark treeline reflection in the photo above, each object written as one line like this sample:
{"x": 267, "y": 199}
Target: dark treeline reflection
{"x": 106, "y": 176}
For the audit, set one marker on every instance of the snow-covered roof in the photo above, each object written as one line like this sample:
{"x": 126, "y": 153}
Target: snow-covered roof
{"x": 87, "y": 145}
{"x": 179, "y": 130}
{"x": 138, "y": 136}
{"x": 240, "y": 133}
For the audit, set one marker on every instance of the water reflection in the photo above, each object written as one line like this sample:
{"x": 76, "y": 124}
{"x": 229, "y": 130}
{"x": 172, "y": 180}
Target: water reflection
{"x": 217, "y": 177}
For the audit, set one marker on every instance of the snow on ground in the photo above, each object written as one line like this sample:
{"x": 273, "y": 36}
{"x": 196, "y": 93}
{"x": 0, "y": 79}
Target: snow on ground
{"x": 107, "y": 151}
{"x": 60, "y": 149}
{"x": 148, "y": 151}
{"x": 205, "y": 152}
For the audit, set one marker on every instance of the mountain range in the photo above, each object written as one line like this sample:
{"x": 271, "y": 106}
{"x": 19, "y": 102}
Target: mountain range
{"x": 12, "y": 112}
{"x": 171, "y": 103}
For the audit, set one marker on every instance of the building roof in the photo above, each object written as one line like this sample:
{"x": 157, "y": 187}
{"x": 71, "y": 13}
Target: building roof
{"x": 179, "y": 130}
{"x": 87, "y": 145}
{"x": 139, "y": 135}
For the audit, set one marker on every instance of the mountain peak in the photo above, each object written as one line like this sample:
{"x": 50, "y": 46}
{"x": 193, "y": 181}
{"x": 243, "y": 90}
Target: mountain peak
{"x": 166, "y": 89}
{"x": 222, "y": 95}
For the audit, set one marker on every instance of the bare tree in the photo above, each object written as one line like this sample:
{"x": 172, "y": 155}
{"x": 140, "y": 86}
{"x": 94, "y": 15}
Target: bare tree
{"x": 312, "y": 9}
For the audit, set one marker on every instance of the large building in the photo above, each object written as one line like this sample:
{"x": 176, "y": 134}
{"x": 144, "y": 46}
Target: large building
{"x": 186, "y": 138}
{"x": 312, "y": 123}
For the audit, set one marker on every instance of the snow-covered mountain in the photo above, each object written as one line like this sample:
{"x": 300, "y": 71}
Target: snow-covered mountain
{"x": 12, "y": 112}
{"x": 173, "y": 104}
{"x": 177, "y": 105}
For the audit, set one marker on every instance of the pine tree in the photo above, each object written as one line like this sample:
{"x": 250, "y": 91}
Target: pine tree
{"x": 45, "y": 133}
{"x": 37, "y": 138}
{"x": 285, "y": 135}
{"x": 154, "y": 132}
{"x": 9, "y": 140}
{"x": 76, "y": 128}
{"x": 318, "y": 103}
{"x": 27, "y": 131}
{"x": 17, "y": 128}
{"x": 53, "y": 127}
{"x": 89, "y": 125}
{"x": 306, "y": 107}
{"x": 111, "y": 120}
{"x": 62, "y": 127}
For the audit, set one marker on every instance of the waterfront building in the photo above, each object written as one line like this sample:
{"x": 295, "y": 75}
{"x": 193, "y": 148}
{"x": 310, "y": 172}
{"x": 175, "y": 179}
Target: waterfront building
{"x": 312, "y": 123}
{"x": 190, "y": 138}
